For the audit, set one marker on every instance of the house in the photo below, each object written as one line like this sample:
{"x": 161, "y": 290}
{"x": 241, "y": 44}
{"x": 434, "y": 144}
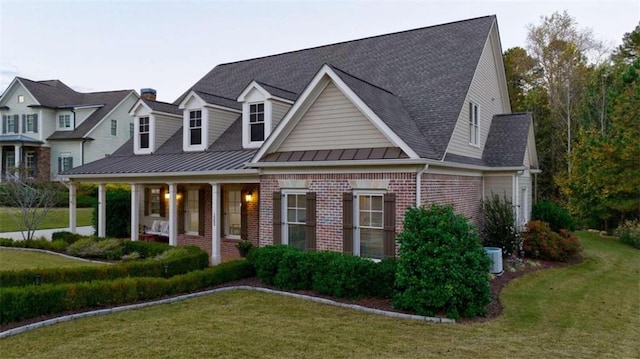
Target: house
{"x": 48, "y": 128}
{"x": 325, "y": 148}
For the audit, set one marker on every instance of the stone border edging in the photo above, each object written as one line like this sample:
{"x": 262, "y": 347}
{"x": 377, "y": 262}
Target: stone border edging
{"x": 66, "y": 318}
{"x": 52, "y": 252}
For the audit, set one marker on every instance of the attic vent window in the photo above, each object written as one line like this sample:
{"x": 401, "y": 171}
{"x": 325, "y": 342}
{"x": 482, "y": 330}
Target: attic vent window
{"x": 256, "y": 122}
{"x": 195, "y": 127}
{"x": 144, "y": 132}
{"x": 20, "y": 98}
{"x": 474, "y": 129}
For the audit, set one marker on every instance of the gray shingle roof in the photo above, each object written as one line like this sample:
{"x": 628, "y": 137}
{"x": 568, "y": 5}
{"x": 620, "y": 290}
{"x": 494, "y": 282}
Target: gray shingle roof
{"x": 163, "y": 107}
{"x": 19, "y": 138}
{"x": 219, "y": 100}
{"x": 428, "y": 70}
{"x": 276, "y": 91}
{"x": 507, "y": 140}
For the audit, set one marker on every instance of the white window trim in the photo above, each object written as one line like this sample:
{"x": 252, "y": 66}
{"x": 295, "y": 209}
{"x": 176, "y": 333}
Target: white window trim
{"x": 246, "y": 134}
{"x": 63, "y": 156}
{"x": 20, "y": 98}
{"x": 35, "y": 124}
{"x": 475, "y": 143}
{"x": 204, "y": 130}
{"x": 226, "y": 209}
{"x": 186, "y": 210}
{"x": 152, "y": 135}
{"x": 356, "y": 217}
{"x": 64, "y": 128}
{"x": 150, "y": 199}
{"x": 111, "y": 128}
{"x": 283, "y": 211}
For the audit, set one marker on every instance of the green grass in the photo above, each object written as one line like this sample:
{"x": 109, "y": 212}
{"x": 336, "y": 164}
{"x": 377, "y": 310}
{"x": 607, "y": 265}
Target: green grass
{"x": 11, "y": 259}
{"x": 587, "y": 310}
{"x": 56, "y": 218}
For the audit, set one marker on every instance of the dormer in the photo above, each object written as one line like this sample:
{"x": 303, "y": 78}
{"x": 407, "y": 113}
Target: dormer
{"x": 195, "y": 123}
{"x": 154, "y": 123}
{"x": 263, "y": 106}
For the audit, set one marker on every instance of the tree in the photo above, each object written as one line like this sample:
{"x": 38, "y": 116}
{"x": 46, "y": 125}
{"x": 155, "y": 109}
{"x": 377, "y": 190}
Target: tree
{"x": 521, "y": 72}
{"x": 629, "y": 50}
{"x": 28, "y": 201}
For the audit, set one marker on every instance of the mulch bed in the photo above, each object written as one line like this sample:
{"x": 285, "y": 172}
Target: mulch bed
{"x": 494, "y": 309}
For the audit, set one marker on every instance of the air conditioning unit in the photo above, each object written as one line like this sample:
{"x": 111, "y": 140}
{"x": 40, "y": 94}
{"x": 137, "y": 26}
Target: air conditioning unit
{"x": 495, "y": 254}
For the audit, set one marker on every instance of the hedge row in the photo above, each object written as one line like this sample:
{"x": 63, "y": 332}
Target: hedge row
{"x": 187, "y": 259}
{"x": 330, "y": 273}
{"x": 21, "y": 303}
{"x": 57, "y": 245}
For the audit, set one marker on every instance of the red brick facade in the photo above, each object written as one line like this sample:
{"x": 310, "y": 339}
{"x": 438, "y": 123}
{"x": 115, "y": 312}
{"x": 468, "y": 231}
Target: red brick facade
{"x": 463, "y": 192}
{"x": 43, "y": 158}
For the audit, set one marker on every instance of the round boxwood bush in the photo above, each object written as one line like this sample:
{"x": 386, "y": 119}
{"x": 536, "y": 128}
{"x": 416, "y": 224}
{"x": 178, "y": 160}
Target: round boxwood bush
{"x": 442, "y": 266}
{"x": 554, "y": 214}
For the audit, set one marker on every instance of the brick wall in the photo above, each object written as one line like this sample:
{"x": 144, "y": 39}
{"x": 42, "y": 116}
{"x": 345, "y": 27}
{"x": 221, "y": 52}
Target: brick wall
{"x": 253, "y": 213}
{"x": 329, "y": 189}
{"x": 463, "y": 192}
{"x": 43, "y": 163}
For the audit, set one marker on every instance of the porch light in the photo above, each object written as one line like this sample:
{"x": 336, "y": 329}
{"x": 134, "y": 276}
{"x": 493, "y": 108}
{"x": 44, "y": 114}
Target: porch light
{"x": 166, "y": 196}
{"x": 247, "y": 197}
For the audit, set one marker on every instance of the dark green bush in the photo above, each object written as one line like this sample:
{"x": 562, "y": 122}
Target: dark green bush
{"x": 55, "y": 246}
{"x": 541, "y": 242}
{"x": 499, "y": 229}
{"x": 145, "y": 249}
{"x": 266, "y": 261}
{"x": 442, "y": 266}
{"x": 296, "y": 268}
{"x": 346, "y": 276}
{"x": 118, "y": 212}
{"x": 554, "y": 214}
{"x": 108, "y": 248}
{"x": 20, "y": 303}
{"x": 86, "y": 202}
{"x": 629, "y": 233}
{"x": 192, "y": 258}
{"x": 65, "y": 236}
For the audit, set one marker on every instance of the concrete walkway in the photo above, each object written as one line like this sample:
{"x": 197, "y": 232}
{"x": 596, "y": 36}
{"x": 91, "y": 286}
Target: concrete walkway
{"x": 46, "y": 233}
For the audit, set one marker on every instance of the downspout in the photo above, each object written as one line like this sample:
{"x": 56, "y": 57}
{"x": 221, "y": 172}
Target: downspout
{"x": 74, "y": 118}
{"x": 419, "y": 185}
{"x": 82, "y": 151}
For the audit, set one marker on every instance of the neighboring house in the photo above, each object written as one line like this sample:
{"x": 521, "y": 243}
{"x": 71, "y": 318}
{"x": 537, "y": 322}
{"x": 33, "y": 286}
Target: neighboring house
{"x": 325, "y": 148}
{"x": 48, "y": 128}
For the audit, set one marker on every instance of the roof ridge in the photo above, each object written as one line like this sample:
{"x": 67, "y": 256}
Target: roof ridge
{"x": 360, "y": 79}
{"x": 356, "y": 40}
{"x": 275, "y": 87}
{"x": 210, "y": 94}
{"x": 162, "y": 102}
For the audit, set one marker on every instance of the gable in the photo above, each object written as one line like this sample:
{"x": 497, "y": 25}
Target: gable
{"x": 10, "y": 97}
{"x": 333, "y": 122}
{"x": 488, "y": 91}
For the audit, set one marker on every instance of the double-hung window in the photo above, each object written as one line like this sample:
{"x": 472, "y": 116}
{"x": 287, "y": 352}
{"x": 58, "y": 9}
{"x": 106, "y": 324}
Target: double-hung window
{"x": 10, "y": 123}
{"x": 30, "y": 163}
{"x": 369, "y": 236}
{"x": 294, "y": 214}
{"x": 192, "y": 213}
{"x": 31, "y": 123}
{"x": 144, "y": 132}
{"x": 114, "y": 127}
{"x": 474, "y": 129}
{"x": 256, "y": 122}
{"x": 195, "y": 127}
{"x": 65, "y": 162}
{"x": 64, "y": 121}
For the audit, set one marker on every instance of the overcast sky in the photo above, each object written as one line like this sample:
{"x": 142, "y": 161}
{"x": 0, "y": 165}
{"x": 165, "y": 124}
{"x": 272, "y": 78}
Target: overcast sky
{"x": 169, "y": 45}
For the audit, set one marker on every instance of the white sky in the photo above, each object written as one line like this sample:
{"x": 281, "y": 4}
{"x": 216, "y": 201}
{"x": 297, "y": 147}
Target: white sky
{"x": 169, "y": 45}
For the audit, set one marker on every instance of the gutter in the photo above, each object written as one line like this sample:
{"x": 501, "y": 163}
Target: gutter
{"x": 419, "y": 185}
{"x": 160, "y": 175}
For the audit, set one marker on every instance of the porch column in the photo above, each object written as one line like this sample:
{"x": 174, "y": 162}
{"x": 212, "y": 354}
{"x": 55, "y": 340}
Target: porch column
{"x": 173, "y": 214}
{"x": 72, "y": 207}
{"x": 135, "y": 220}
{"x": 102, "y": 210}
{"x": 216, "y": 257}
{"x": 18, "y": 159}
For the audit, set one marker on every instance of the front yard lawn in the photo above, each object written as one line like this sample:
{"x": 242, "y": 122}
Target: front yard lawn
{"x": 56, "y": 218}
{"x": 587, "y": 310}
{"x": 11, "y": 259}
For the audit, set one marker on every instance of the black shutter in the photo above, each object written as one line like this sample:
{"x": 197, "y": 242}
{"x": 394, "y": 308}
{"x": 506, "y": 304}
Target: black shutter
{"x": 277, "y": 218}
{"x": 347, "y": 222}
{"x": 310, "y": 227}
{"x": 163, "y": 201}
{"x": 201, "y": 216}
{"x": 59, "y": 164}
{"x": 35, "y": 123}
{"x": 24, "y": 124}
{"x": 16, "y": 123}
{"x": 244, "y": 216}
{"x": 147, "y": 200}
{"x": 389, "y": 225}
{"x": 70, "y": 162}
{"x": 4, "y": 124}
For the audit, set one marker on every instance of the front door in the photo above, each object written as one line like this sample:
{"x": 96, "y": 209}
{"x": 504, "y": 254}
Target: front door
{"x": 232, "y": 204}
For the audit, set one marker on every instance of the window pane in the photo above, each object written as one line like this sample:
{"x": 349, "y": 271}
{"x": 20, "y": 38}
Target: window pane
{"x": 296, "y": 236}
{"x": 291, "y": 200}
{"x": 260, "y": 117}
{"x": 291, "y": 215}
{"x": 365, "y": 218}
{"x": 257, "y": 132}
{"x": 302, "y": 215}
{"x": 365, "y": 202}
{"x": 376, "y": 203}
{"x": 371, "y": 243}
{"x": 196, "y": 137}
{"x": 144, "y": 140}
{"x": 376, "y": 219}
{"x": 260, "y": 107}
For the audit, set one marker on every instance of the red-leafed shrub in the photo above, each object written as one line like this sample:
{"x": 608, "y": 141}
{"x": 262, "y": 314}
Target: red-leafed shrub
{"x": 542, "y": 243}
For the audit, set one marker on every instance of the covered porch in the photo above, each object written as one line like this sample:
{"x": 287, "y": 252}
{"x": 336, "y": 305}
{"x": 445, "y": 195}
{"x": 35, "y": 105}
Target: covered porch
{"x": 213, "y": 215}
{"x": 23, "y": 156}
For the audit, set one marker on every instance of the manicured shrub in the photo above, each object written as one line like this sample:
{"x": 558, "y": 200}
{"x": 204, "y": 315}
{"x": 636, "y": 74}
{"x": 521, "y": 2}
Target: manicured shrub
{"x": 541, "y": 242}
{"x": 296, "y": 268}
{"x": 145, "y": 249}
{"x": 629, "y": 233}
{"x": 266, "y": 261}
{"x": 20, "y": 303}
{"x": 442, "y": 266}
{"x": 118, "y": 212}
{"x": 346, "y": 276}
{"x": 55, "y": 246}
{"x": 67, "y": 237}
{"x": 499, "y": 225}
{"x": 554, "y": 214}
{"x": 110, "y": 248}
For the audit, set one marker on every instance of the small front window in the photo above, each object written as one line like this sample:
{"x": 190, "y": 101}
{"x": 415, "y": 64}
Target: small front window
{"x": 114, "y": 128}
{"x": 370, "y": 232}
{"x": 474, "y": 131}
{"x": 20, "y": 98}
{"x": 154, "y": 205}
{"x": 12, "y": 124}
{"x": 65, "y": 162}
{"x": 191, "y": 213}
{"x": 64, "y": 121}
{"x": 195, "y": 127}
{"x": 295, "y": 220}
{"x": 144, "y": 132}
{"x": 30, "y": 163}
{"x": 256, "y": 122}
{"x": 30, "y": 124}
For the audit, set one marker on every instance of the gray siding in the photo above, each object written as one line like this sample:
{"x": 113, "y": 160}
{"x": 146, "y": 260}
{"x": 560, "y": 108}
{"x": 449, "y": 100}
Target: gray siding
{"x": 219, "y": 121}
{"x": 524, "y": 183}
{"x": 104, "y": 143}
{"x": 58, "y": 147}
{"x": 333, "y": 122}
{"x": 165, "y": 127}
{"x": 485, "y": 92}
{"x": 500, "y": 185}
{"x": 278, "y": 110}
{"x": 82, "y": 114}
{"x": 15, "y": 108}
{"x": 527, "y": 162}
